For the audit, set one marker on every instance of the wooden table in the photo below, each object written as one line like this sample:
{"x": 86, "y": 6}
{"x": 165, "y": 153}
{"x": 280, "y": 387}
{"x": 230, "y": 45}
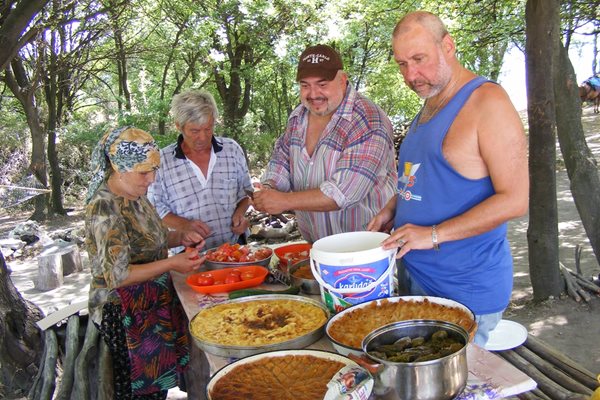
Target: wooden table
{"x": 490, "y": 376}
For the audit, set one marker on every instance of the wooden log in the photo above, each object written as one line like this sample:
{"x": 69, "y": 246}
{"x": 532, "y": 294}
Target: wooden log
{"x": 578, "y": 259}
{"x": 545, "y": 384}
{"x": 71, "y": 352}
{"x": 583, "y": 281}
{"x": 588, "y": 285}
{"x": 36, "y": 387}
{"x": 552, "y": 372}
{"x": 540, "y": 394}
{"x": 528, "y": 396}
{"x": 105, "y": 374}
{"x": 50, "y": 272}
{"x": 564, "y": 363}
{"x": 81, "y": 386}
{"x": 197, "y": 374}
{"x": 584, "y": 295}
{"x": 570, "y": 281}
{"x": 49, "y": 374}
{"x": 71, "y": 260}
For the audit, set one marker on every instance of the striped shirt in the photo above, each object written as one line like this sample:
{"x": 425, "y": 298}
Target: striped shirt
{"x": 353, "y": 163}
{"x": 178, "y": 190}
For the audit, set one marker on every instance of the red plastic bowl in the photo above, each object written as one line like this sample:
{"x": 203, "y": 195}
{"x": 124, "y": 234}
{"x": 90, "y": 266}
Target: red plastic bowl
{"x": 280, "y": 252}
{"x": 260, "y": 273}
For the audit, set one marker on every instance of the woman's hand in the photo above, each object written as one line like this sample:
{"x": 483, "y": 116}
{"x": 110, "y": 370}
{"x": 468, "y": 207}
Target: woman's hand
{"x": 188, "y": 261}
{"x": 409, "y": 237}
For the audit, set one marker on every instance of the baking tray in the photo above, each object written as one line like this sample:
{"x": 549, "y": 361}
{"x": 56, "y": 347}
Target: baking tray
{"x": 345, "y": 350}
{"x": 316, "y": 353}
{"x": 245, "y": 351}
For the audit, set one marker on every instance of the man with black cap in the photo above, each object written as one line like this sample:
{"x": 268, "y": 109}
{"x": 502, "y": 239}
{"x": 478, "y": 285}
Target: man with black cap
{"x": 335, "y": 163}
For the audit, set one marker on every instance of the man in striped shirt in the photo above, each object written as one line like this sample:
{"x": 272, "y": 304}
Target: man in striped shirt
{"x": 335, "y": 163}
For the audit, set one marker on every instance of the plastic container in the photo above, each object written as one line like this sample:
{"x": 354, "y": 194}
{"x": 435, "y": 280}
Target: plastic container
{"x": 260, "y": 273}
{"x": 295, "y": 253}
{"x": 352, "y": 268}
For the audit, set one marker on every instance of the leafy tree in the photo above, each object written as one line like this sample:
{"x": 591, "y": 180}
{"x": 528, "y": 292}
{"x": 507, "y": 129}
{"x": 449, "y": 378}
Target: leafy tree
{"x": 15, "y": 26}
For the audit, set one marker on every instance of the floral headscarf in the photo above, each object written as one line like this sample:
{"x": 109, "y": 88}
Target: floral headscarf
{"x": 123, "y": 149}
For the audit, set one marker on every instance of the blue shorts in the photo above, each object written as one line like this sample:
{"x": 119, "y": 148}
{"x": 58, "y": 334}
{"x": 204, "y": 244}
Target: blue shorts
{"x": 485, "y": 322}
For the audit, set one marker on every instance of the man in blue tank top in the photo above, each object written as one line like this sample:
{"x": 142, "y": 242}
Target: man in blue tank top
{"x": 462, "y": 175}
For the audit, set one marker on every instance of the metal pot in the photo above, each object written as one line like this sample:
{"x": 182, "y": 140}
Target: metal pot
{"x": 440, "y": 379}
{"x": 308, "y": 286}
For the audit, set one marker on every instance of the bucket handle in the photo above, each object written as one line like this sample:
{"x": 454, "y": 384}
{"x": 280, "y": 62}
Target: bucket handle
{"x": 373, "y": 285}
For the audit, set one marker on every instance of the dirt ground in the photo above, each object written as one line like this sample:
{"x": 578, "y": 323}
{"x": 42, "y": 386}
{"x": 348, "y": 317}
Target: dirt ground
{"x": 573, "y": 328}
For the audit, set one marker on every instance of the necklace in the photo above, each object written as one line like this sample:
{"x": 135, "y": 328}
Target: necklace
{"x": 428, "y": 112}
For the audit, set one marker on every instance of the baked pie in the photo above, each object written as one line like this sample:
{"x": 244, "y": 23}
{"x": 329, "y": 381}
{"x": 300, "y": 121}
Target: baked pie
{"x": 354, "y": 324}
{"x": 289, "y": 377}
{"x": 257, "y": 322}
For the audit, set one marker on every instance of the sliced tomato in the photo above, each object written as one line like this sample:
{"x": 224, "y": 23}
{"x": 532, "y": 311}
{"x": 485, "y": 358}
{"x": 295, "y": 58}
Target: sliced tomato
{"x": 232, "y": 278}
{"x": 206, "y": 280}
{"x": 246, "y": 275}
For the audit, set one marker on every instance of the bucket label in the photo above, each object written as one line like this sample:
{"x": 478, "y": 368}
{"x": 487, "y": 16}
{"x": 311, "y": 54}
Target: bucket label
{"x": 355, "y": 281}
{"x": 366, "y": 270}
{"x": 359, "y": 277}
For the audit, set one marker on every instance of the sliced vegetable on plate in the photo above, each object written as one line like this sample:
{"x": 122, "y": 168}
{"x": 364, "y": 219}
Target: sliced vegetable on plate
{"x": 227, "y": 279}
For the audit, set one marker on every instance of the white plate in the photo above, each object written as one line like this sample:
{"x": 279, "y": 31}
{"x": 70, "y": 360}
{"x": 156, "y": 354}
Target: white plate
{"x": 506, "y": 335}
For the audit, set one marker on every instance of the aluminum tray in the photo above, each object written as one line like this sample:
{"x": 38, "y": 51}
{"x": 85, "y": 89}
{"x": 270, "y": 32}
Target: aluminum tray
{"x": 345, "y": 350}
{"x": 245, "y": 351}
{"x": 315, "y": 353}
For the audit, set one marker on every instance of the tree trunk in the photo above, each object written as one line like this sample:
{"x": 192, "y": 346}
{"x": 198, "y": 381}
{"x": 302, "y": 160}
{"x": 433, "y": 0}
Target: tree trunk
{"x": 579, "y": 160}
{"x": 542, "y": 24}
{"x": 236, "y": 100}
{"x": 24, "y": 90}
{"x": 124, "y": 98}
{"x": 20, "y": 338}
{"x": 51, "y": 92}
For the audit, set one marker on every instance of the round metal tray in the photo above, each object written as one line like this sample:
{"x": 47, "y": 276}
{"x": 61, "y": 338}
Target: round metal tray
{"x": 345, "y": 349}
{"x": 315, "y": 353}
{"x": 244, "y": 351}
{"x": 211, "y": 265}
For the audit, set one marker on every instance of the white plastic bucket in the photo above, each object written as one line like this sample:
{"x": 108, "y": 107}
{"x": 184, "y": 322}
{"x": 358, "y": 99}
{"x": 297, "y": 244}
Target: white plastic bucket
{"x": 352, "y": 268}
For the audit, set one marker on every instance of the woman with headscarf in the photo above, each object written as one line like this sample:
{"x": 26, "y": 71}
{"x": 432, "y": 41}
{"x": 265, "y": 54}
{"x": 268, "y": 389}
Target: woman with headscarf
{"x": 132, "y": 300}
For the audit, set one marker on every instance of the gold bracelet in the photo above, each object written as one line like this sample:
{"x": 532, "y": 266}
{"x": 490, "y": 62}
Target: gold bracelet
{"x": 434, "y": 238}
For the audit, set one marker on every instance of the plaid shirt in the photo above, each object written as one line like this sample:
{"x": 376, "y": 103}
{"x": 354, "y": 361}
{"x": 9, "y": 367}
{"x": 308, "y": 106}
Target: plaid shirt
{"x": 177, "y": 189}
{"x": 353, "y": 164}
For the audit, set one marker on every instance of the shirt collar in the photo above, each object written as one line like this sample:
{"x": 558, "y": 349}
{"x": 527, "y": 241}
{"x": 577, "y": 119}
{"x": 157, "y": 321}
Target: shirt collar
{"x": 216, "y": 145}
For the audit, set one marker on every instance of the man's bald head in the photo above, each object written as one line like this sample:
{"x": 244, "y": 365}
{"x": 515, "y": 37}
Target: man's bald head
{"x": 425, "y": 19}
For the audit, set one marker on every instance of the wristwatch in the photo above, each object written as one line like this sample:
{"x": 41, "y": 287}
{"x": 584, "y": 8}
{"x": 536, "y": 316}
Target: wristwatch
{"x": 434, "y": 238}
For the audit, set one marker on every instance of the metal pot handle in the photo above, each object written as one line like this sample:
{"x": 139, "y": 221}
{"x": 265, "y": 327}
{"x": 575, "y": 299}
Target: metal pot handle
{"x": 366, "y": 363}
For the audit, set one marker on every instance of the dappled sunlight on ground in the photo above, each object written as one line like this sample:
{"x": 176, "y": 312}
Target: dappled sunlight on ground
{"x": 74, "y": 289}
{"x": 538, "y": 327}
{"x": 570, "y": 327}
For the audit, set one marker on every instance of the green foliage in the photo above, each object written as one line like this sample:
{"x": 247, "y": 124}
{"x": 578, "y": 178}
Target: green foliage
{"x": 245, "y": 52}
{"x": 13, "y": 130}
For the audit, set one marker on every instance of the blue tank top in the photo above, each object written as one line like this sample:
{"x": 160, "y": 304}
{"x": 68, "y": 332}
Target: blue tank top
{"x": 476, "y": 271}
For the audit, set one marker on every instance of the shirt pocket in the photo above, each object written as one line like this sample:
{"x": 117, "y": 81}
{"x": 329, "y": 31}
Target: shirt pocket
{"x": 225, "y": 192}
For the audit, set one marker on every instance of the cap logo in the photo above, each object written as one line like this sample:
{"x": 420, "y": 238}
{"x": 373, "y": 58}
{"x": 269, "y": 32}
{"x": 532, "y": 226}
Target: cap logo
{"x": 315, "y": 58}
